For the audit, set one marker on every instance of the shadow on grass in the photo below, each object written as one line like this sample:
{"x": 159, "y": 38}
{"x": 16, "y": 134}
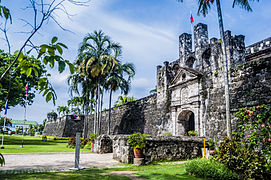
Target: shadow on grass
{"x": 30, "y": 140}
{"x": 90, "y": 174}
{"x": 167, "y": 176}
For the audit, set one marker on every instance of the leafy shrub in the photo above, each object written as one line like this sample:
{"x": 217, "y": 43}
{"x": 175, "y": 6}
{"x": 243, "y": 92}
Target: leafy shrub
{"x": 137, "y": 140}
{"x": 84, "y": 142}
{"x": 192, "y": 133}
{"x": 209, "y": 169}
{"x": 236, "y": 156}
{"x": 71, "y": 142}
{"x": 44, "y": 138}
{"x": 249, "y": 150}
{"x": 88, "y": 145}
{"x": 212, "y": 143}
{"x": 92, "y": 136}
{"x": 167, "y": 134}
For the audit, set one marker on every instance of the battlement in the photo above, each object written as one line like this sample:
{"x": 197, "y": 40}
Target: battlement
{"x": 258, "y": 50}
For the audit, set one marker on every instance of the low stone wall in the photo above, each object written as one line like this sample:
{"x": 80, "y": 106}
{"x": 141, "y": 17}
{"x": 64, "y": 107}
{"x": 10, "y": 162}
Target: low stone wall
{"x": 121, "y": 149}
{"x": 173, "y": 148}
{"x": 103, "y": 144}
{"x": 159, "y": 148}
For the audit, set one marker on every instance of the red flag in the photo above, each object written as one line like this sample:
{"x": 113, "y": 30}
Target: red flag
{"x": 26, "y": 88}
{"x": 191, "y": 19}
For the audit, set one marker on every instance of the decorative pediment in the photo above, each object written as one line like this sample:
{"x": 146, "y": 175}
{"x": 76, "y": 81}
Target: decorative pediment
{"x": 185, "y": 74}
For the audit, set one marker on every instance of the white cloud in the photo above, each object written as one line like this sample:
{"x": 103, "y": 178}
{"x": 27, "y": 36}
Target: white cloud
{"x": 141, "y": 83}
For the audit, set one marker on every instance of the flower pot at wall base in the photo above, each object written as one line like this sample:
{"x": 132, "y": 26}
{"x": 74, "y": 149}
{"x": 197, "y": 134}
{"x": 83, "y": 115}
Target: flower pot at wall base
{"x": 92, "y": 145}
{"x": 138, "y": 153}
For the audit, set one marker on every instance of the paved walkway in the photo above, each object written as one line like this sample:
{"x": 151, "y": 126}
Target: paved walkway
{"x": 55, "y": 161}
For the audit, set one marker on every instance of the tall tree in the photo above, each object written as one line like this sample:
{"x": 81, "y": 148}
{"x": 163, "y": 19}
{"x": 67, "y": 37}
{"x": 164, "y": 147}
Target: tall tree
{"x": 204, "y": 6}
{"x": 116, "y": 80}
{"x": 95, "y": 61}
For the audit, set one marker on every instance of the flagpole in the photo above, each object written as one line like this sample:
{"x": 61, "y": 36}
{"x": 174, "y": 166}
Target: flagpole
{"x": 26, "y": 94}
{"x": 192, "y": 31}
{"x": 24, "y": 121}
{"x": 5, "y": 113}
{"x": 2, "y": 146}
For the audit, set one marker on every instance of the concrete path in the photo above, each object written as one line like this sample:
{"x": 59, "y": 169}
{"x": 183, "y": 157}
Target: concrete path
{"x": 55, "y": 161}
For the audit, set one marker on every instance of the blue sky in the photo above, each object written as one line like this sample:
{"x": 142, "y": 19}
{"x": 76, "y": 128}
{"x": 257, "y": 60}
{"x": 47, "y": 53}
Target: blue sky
{"x": 148, "y": 30}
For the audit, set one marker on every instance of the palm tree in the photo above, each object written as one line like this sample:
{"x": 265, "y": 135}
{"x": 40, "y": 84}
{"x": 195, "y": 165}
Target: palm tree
{"x": 84, "y": 87}
{"x": 95, "y": 61}
{"x": 116, "y": 80}
{"x": 204, "y": 6}
{"x": 123, "y": 100}
{"x": 63, "y": 110}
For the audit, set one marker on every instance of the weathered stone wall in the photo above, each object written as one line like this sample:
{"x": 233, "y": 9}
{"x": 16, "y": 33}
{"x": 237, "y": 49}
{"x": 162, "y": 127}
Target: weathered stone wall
{"x": 202, "y": 95}
{"x": 65, "y": 126}
{"x": 159, "y": 148}
{"x": 250, "y": 85}
{"x": 103, "y": 144}
{"x": 138, "y": 116}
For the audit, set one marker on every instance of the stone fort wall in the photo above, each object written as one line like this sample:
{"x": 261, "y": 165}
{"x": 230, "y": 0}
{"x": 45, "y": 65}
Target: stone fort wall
{"x": 250, "y": 85}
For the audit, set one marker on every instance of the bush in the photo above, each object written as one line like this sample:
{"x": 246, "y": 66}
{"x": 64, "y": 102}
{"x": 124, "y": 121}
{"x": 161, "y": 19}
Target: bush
{"x": 71, "y": 142}
{"x": 92, "y": 136}
{"x": 248, "y": 163}
{"x": 44, "y": 138}
{"x": 212, "y": 143}
{"x": 167, "y": 134}
{"x": 138, "y": 140}
{"x": 249, "y": 151}
{"x": 192, "y": 133}
{"x": 88, "y": 145}
{"x": 209, "y": 169}
{"x": 84, "y": 142}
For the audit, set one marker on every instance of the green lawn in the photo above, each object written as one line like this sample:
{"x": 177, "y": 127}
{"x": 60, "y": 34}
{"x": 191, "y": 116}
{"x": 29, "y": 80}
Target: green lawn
{"x": 34, "y": 145}
{"x": 163, "y": 172}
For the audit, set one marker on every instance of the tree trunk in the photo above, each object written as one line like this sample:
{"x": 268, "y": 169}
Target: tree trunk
{"x": 99, "y": 99}
{"x": 109, "y": 112}
{"x": 95, "y": 112}
{"x": 100, "y": 114}
{"x": 225, "y": 64}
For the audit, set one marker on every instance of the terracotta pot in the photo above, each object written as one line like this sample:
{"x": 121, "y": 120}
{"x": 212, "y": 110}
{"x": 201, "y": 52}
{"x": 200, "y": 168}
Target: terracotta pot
{"x": 92, "y": 145}
{"x": 138, "y": 153}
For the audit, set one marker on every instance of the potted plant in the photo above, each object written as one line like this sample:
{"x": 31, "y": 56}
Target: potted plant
{"x": 92, "y": 137}
{"x": 212, "y": 145}
{"x": 138, "y": 141}
{"x": 192, "y": 133}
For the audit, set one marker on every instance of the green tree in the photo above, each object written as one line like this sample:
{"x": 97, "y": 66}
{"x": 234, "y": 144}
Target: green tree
{"x": 204, "y": 6}
{"x": 8, "y": 121}
{"x": 116, "y": 80}
{"x": 95, "y": 61}
{"x": 123, "y": 100}
{"x": 64, "y": 110}
{"x": 13, "y": 85}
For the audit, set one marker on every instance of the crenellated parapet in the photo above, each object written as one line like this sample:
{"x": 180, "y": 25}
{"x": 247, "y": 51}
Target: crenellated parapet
{"x": 258, "y": 50}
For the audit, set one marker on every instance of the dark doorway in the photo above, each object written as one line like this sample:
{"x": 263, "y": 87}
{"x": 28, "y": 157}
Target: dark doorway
{"x": 187, "y": 121}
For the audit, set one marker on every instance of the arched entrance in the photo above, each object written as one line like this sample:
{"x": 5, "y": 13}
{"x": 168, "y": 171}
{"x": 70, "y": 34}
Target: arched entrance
{"x": 186, "y": 121}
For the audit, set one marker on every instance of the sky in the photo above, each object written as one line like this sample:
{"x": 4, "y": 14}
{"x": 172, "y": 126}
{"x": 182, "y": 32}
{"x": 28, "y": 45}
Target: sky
{"x": 147, "y": 30}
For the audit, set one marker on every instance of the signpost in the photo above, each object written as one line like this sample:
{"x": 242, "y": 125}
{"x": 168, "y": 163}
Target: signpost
{"x": 77, "y": 153}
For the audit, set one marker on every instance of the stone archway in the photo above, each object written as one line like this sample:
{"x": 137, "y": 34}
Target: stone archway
{"x": 186, "y": 121}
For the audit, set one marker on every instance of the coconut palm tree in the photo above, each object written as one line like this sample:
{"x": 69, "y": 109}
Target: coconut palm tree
{"x": 204, "y": 6}
{"x": 63, "y": 110}
{"x": 95, "y": 61}
{"x": 116, "y": 80}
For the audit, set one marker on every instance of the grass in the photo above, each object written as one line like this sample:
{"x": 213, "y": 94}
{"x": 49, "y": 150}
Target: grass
{"x": 34, "y": 145}
{"x": 163, "y": 172}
